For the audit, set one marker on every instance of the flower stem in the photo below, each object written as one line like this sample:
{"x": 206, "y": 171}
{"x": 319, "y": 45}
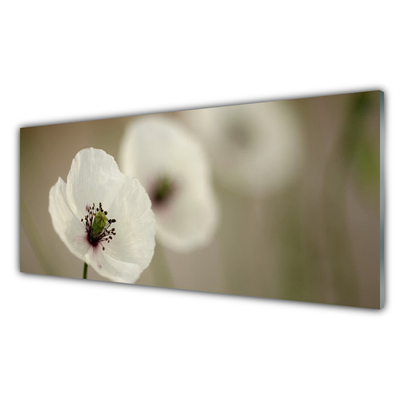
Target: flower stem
{"x": 160, "y": 268}
{"x": 85, "y": 268}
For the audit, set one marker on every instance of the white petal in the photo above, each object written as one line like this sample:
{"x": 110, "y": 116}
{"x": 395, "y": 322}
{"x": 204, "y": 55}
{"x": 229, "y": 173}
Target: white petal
{"x": 94, "y": 177}
{"x": 65, "y": 223}
{"x": 156, "y": 147}
{"x": 135, "y": 225}
{"x": 189, "y": 222}
{"x": 110, "y": 268}
{"x": 151, "y": 148}
{"x": 256, "y": 148}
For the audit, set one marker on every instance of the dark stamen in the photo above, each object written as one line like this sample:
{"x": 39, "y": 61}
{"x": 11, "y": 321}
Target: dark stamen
{"x": 97, "y": 227}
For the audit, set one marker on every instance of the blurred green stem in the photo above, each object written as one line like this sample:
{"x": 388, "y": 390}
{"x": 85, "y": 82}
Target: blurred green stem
{"x": 85, "y": 268}
{"x": 292, "y": 266}
{"x": 338, "y": 171}
{"x": 160, "y": 268}
{"x": 234, "y": 240}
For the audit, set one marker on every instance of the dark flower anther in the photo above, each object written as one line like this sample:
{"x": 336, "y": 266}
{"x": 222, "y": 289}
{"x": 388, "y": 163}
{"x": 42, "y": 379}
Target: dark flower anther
{"x": 97, "y": 226}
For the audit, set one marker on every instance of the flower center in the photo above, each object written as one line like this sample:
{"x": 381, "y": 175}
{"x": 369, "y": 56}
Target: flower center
{"x": 97, "y": 226}
{"x": 239, "y": 135}
{"x": 163, "y": 190}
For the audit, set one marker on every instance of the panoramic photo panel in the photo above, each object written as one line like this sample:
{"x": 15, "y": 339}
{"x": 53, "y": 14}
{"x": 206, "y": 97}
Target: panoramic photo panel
{"x": 278, "y": 199}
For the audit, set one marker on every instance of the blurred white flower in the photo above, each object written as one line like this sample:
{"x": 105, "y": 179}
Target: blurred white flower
{"x": 104, "y": 217}
{"x": 174, "y": 170}
{"x": 256, "y": 148}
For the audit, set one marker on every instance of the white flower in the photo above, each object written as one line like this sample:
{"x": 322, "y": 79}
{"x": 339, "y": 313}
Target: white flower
{"x": 256, "y": 148}
{"x": 173, "y": 168}
{"x": 104, "y": 217}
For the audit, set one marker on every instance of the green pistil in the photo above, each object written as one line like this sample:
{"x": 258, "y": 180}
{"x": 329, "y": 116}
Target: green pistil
{"x": 99, "y": 223}
{"x": 163, "y": 190}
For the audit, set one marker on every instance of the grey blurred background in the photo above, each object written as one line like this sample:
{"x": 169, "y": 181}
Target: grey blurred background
{"x": 316, "y": 239}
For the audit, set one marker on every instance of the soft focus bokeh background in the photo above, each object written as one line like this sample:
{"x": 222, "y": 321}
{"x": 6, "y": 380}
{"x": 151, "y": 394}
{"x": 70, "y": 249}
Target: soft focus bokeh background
{"x": 313, "y": 238}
